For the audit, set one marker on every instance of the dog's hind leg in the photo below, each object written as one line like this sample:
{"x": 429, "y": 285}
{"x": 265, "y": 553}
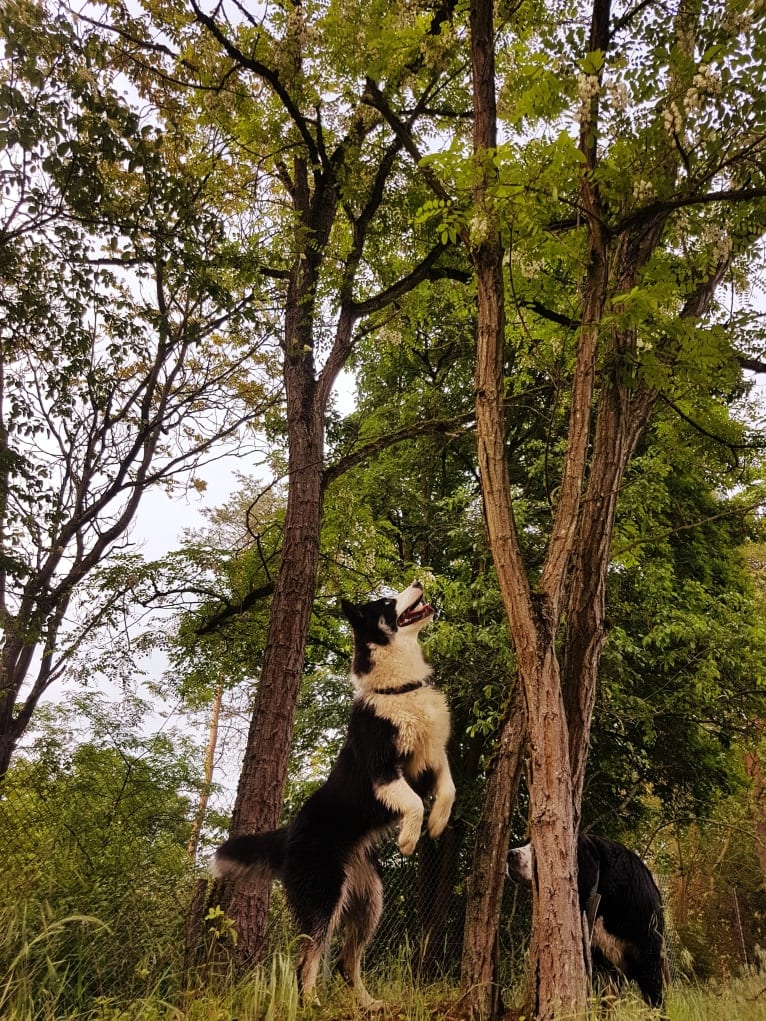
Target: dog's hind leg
{"x": 362, "y": 908}
{"x": 309, "y": 960}
{"x": 316, "y": 899}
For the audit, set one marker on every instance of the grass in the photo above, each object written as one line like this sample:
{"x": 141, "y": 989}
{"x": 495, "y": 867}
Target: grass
{"x": 740, "y": 999}
{"x": 270, "y": 994}
{"x": 40, "y": 983}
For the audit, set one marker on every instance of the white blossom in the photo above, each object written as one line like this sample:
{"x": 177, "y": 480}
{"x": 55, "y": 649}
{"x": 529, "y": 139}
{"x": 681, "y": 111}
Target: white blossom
{"x": 707, "y": 82}
{"x": 691, "y": 100}
{"x": 619, "y": 95}
{"x": 479, "y": 228}
{"x": 672, "y": 119}
{"x": 722, "y": 248}
{"x": 587, "y": 87}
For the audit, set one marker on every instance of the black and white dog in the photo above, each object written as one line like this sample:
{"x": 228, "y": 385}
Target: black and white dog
{"x": 623, "y": 905}
{"x": 394, "y": 755}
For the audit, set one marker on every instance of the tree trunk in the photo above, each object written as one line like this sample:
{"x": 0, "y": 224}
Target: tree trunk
{"x": 208, "y": 769}
{"x": 486, "y": 879}
{"x": 8, "y": 691}
{"x": 624, "y": 413}
{"x": 15, "y": 666}
{"x": 754, "y": 768}
{"x": 557, "y": 967}
{"x": 261, "y": 785}
{"x": 622, "y": 417}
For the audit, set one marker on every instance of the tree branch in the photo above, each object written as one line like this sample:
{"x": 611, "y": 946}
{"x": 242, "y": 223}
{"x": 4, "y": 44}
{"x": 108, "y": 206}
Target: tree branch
{"x": 456, "y": 426}
{"x": 729, "y": 444}
{"x": 665, "y": 206}
{"x": 231, "y": 610}
{"x": 267, "y": 74}
{"x": 732, "y": 512}
{"x": 550, "y": 314}
{"x": 375, "y": 98}
{"x": 751, "y": 364}
{"x": 425, "y": 270}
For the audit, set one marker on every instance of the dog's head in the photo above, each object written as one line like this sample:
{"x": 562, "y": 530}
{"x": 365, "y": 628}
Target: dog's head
{"x": 383, "y": 622}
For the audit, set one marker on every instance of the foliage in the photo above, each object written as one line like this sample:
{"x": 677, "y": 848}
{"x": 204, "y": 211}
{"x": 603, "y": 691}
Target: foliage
{"x": 128, "y": 348}
{"x": 683, "y": 668}
{"x": 97, "y": 872}
{"x": 718, "y": 891}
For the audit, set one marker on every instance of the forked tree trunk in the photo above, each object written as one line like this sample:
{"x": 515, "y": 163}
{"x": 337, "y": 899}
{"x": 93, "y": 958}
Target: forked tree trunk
{"x": 557, "y": 964}
{"x": 576, "y": 564}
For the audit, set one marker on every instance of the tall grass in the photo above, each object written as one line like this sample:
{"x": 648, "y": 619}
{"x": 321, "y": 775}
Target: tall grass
{"x": 43, "y": 981}
{"x": 739, "y": 999}
{"x": 271, "y": 995}
{"x": 41, "y": 974}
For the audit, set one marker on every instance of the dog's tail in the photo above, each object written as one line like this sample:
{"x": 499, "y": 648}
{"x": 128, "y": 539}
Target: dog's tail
{"x": 251, "y": 856}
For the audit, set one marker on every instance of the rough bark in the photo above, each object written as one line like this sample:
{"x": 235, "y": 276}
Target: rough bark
{"x": 264, "y": 770}
{"x": 557, "y": 969}
{"x": 622, "y": 418}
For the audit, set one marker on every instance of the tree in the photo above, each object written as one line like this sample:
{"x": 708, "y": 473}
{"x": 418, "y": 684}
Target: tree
{"x": 558, "y": 968}
{"x": 685, "y": 651}
{"x": 123, "y": 361}
{"x": 642, "y": 275}
{"x": 617, "y": 265}
{"x": 289, "y": 89}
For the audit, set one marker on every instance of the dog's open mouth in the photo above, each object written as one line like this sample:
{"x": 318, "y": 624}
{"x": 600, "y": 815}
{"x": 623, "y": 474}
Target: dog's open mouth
{"x": 415, "y": 613}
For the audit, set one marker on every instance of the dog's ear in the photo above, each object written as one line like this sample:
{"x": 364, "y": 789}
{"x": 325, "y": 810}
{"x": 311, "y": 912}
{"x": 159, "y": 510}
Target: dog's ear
{"x": 350, "y": 611}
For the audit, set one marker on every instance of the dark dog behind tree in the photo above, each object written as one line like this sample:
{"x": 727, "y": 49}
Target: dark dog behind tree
{"x": 623, "y": 905}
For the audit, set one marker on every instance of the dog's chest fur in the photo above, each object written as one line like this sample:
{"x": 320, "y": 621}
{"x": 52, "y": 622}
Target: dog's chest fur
{"x": 422, "y": 722}
{"x": 420, "y": 717}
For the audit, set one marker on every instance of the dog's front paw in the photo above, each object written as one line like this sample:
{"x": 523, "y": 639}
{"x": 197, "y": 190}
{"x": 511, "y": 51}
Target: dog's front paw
{"x": 407, "y": 844}
{"x": 409, "y": 834}
{"x": 367, "y": 1003}
{"x": 439, "y": 816}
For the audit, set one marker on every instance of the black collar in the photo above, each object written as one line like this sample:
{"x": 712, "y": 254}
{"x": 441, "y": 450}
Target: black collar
{"x": 401, "y": 690}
